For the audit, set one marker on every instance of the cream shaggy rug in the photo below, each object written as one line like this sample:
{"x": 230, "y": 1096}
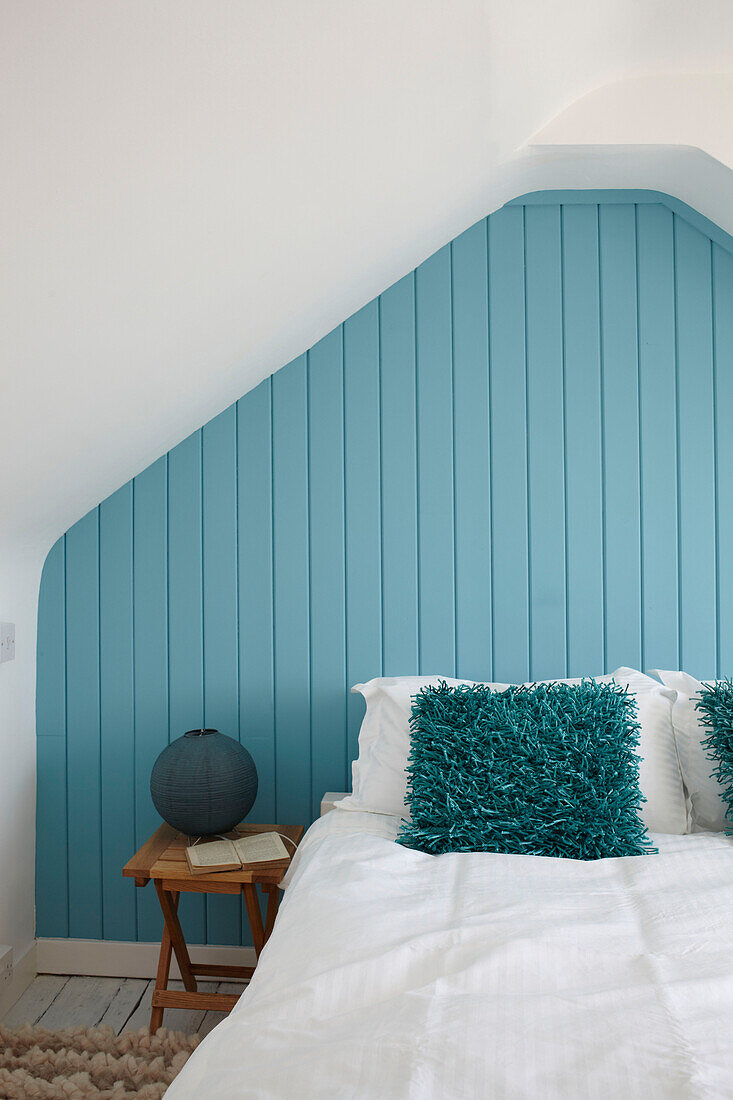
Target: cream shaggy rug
{"x": 36, "y": 1064}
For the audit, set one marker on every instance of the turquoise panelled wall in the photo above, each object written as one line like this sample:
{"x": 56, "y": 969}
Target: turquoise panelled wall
{"x": 515, "y": 463}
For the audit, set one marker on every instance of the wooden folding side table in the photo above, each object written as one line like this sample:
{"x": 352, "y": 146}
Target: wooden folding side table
{"x": 163, "y": 859}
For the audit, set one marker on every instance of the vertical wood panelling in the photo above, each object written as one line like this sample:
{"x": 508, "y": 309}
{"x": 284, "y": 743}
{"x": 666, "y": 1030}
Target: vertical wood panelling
{"x": 507, "y": 346}
{"x": 52, "y": 870}
{"x": 435, "y": 478}
{"x": 327, "y": 570}
{"x": 583, "y": 497}
{"x": 470, "y": 297}
{"x": 220, "y": 642}
{"x": 84, "y": 821}
{"x": 400, "y": 625}
{"x": 362, "y": 495}
{"x": 515, "y": 463}
{"x": 546, "y": 440}
{"x": 221, "y": 688}
{"x": 185, "y": 618}
{"x": 658, "y": 435}
{"x": 696, "y": 450}
{"x": 117, "y": 712}
{"x": 150, "y": 642}
{"x": 256, "y": 648}
{"x": 52, "y": 883}
{"x": 722, "y": 276}
{"x": 619, "y": 354}
{"x": 255, "y": 603}
{"x": 291, "y": 592}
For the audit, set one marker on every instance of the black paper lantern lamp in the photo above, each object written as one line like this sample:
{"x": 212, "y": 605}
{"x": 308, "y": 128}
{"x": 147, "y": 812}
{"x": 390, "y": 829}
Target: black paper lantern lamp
{"x": 204, "y": 783}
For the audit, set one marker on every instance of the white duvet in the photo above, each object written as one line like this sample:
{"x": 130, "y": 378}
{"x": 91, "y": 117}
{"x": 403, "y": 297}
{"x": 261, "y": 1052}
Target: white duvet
{"x": 393, "y": 974}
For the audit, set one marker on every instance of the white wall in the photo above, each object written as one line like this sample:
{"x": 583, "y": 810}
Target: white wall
{"x": 19, "y": 574}
{"x": 192, "y": 193}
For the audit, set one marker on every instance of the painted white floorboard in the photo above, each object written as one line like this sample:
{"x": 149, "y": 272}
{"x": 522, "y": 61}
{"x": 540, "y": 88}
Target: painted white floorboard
{"x": 211, "y": 1019}
{"x": 81, "y": 1003}
{"x": 124, "y": 1003}
{"x": 188, "y": 1020}
{"x": 37, "y": 998}
{"x": 141, "y": 1016}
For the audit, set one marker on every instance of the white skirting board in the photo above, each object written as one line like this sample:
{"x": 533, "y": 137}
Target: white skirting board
{"x": 116, "y": 959}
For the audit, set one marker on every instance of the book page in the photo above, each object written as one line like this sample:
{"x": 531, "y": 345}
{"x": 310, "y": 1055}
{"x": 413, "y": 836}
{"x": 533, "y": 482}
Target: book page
{"x": 260, "y": 847}
{"x": 212, "y": 852}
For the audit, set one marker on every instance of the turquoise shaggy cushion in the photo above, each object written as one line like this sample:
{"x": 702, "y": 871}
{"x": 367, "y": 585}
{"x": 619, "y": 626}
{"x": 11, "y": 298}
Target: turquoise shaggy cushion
{"x": 547, "y": 770}
{"x": 715, "y": 704}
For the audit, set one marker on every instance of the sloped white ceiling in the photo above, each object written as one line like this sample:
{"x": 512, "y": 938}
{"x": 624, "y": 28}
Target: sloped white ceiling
{"x": 693, "y": 109}
{"x": 194, "y": 193}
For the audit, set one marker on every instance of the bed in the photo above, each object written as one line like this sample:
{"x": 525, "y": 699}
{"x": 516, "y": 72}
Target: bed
{"x": 395, "y": 974}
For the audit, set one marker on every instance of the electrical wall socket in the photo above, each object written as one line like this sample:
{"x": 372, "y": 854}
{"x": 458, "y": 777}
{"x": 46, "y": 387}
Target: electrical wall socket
{"x": 7, "y": 641}
{"x": 6, "y": 964}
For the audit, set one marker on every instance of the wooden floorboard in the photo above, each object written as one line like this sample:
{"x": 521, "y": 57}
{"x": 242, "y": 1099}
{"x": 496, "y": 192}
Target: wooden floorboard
{"x": 140, "y": 1017}
{"x": 124, "y": 1003}
{"x": 36, "y": 1000}
{"x": 211, "y": 1019}
{"x": 81, "y": 1003}
{"x": 57, "y": 1002}
{"x": 175, "y": 1019}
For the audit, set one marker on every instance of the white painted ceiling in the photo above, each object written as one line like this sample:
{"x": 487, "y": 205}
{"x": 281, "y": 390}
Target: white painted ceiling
{"x": 193, "y": 193}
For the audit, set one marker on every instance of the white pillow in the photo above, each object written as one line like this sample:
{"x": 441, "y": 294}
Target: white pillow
{"x": 660, "y": 777}
{"x": 706, "y": 793}
{"x": 379, "y": 778}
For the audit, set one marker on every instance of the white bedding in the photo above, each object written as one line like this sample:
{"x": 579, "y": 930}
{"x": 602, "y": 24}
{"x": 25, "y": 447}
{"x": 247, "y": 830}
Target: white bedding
{"x": 392, "y": 974}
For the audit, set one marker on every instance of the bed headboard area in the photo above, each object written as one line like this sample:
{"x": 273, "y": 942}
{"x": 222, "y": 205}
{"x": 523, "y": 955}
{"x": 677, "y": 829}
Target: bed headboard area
{"x": 515, "y": 463}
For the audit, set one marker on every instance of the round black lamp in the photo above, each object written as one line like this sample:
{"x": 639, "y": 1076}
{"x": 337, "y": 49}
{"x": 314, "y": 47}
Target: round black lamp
{"x": 204, "y": 783}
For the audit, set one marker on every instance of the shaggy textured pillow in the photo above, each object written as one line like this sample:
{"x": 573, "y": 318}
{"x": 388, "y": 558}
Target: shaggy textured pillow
{"x": 549, "y": 770}
{"x": 715, "y": 704}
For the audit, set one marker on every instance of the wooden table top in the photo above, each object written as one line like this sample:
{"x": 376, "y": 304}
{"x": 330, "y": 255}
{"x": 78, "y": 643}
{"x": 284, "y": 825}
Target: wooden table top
{"x": 163, "y": 857}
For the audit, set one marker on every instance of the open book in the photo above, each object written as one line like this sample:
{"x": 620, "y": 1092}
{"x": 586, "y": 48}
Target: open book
{"x": 229, "y": 855}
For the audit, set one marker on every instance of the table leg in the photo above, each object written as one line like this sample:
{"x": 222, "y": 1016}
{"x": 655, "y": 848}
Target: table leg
{"x": 255, "y": 916}
{"x": 164, "y": 968}
{"x": 178, "y": 943}
{"x": 273, "y": 900}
